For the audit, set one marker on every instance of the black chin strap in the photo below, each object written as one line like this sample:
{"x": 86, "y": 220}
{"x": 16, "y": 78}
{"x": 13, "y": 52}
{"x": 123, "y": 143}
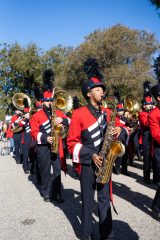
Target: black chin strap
{"x": 47, "y": 112}
{"x": 94, "y": 111}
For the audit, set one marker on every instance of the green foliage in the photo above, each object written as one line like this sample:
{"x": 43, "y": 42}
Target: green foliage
{"x": 155, "y": 3}
{"x": 156, "y": 67}
{"x": 21, "y": 67}
{"x": 124, "y": 55}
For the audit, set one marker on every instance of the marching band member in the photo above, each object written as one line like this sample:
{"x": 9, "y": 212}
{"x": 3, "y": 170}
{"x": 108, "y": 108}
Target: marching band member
{"x": 11, "y": 140}
{"x": 123, "y": 137}
{"x": 85, "y": 138}
{"x": 26, "y": 136}
{"x": 41, "y": 124}
{"x": 147, "y": 104}
{"x": 154, "y": 124}
{"x": 17, "y": 135}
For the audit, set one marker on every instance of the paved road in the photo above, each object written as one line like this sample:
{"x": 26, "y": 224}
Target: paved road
{"x": 24, "y": 214}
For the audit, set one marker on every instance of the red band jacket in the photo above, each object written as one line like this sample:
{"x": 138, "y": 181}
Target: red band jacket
{"x": 26, "y": 126}
{"x": 143, "y": 120}
{"x": 41, "y": 125}
{"x": 120, "y": 121}
{"x": 154, "y": 124}
{"x": 9, "y": 132}
{"x": 15, "y": 120}
{"x": 86, "y": 134}
{"x": 41, "y": 129}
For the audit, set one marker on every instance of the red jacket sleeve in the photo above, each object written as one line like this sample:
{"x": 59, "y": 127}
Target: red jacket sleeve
{"x": 80, "y": 153}
{"x": 143, "y": 119}
{"x": 154, "y": 124}
{"x": 74, "y": 136}
{"x": 66, "y": 120}
{"x": 9, "y": 132}
{"x": 40, "y": 137}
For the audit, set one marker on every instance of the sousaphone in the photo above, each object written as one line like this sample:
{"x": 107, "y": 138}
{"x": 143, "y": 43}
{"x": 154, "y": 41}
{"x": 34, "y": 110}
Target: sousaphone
{"x": 17, "y": 101}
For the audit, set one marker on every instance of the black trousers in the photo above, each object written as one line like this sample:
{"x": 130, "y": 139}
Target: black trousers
{"x": 26, "y": 151}
{"x": 45, "y": 160}
{"x": 156, "y": 164}
{"x": 17, "y": 146}
{"x": 156, "y": 202}
{"x": 124, "y": 159}
{"x": 88, "y": 187}
{"x": 147, "y": 159}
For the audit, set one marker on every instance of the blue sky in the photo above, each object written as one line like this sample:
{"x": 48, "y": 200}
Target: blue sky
{"x": 51, "y": 22}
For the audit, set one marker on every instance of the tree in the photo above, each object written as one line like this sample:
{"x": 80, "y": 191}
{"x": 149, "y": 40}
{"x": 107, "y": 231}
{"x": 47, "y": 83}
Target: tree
{"x": 156, "y": 68}
{"x": 21, "y": 67}
{"x": 125, "y": 57}
{"x": 56, "y": 57}
{"x": 155, "y": 3}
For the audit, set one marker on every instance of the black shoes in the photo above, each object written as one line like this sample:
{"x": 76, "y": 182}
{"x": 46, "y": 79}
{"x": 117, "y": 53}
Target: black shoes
{"x": 26, "y": 172}
{"x": 155, "y": 215}
{"x": 87, "y": 238}
{"x": 58, "y": 199}
{"x": 46, "y": 199}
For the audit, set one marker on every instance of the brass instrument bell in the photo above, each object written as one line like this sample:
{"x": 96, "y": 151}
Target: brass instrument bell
{"x": 132, "y": 105}
{"x": 63, "y": 101}
{"x": 17, "y": 100}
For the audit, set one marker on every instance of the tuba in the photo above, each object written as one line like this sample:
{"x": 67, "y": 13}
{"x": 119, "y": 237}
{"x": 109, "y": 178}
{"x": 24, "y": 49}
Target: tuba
{"x": 17, "y": 101}
{"x": 64, "y": 102}
{"x": 131, "y": 105}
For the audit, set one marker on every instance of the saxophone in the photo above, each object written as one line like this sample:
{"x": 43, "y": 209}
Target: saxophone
{"x": 63, "y": 102}
{"x": 55, "y": 130}
{"x": 111, "y": 149}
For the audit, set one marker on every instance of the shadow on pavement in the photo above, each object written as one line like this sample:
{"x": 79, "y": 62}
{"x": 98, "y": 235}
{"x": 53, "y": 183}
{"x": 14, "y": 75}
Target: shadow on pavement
{"x": 139, "y": 179}
{"x": 32, "y": 178}
{"x": 138, "y": 165}
{"x": 137, "y": 199}
{"x": 122, "y": 231}
{"x": 72, "y": 210}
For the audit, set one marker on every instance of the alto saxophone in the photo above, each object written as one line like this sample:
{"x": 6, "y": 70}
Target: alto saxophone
{"x": 111, "y": 149}
{"x": 55, "y": 131}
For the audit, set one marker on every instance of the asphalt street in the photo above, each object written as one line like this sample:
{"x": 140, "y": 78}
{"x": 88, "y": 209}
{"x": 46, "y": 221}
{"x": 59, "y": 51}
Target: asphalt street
{"x": 24, "y": 214}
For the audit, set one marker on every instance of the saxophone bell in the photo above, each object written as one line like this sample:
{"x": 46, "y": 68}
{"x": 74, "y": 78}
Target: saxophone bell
{"x": 116, "y": 149}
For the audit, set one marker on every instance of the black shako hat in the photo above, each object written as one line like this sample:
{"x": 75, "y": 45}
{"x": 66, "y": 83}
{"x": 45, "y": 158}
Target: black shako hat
{"x": 94, "y": 75}
{"x": 155, "y": 90}
{"x": 90, "y": 84}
